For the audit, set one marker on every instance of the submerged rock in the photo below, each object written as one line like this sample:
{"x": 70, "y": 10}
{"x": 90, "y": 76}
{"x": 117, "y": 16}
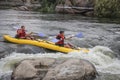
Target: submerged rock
{"x": 54, "y": 69}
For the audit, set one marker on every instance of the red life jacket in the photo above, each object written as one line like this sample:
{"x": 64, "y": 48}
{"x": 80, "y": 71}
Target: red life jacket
{"x": 21, "y": 33}
{"x": 61, "y": 38}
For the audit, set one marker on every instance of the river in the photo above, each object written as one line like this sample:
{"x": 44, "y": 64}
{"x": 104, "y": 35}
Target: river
{"x": 101, "y": 36}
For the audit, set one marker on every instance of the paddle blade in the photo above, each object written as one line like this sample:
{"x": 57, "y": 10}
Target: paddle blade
{"x": 16, "y": 27}
{"x": 79, "y": 35}
{"x": 54, "y": 40}
{"x": 41, "y": 35}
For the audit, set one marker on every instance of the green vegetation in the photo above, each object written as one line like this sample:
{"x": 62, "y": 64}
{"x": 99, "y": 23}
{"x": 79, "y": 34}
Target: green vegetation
{"x": 48, "y": 5}
{"x": 107, "y": 8}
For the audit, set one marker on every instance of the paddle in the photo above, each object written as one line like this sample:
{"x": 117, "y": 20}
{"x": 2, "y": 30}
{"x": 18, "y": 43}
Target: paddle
{"x": 41, "y": 34}
{"x": 54, "y": 40}
{"x": 79, "y": 35}
{"x": 16, "y": 27}
{"x": 38, "y": 34}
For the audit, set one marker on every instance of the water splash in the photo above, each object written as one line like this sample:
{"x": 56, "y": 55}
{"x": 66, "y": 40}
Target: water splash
{"x": 102, "y": 57}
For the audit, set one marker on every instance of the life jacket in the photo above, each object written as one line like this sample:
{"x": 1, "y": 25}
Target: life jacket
{"x": 61, "y": 38}
{"x": 21, "y": 33}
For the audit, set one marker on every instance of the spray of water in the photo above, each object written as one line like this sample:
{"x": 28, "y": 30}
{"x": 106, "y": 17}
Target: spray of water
{"x": 102, "y": 57}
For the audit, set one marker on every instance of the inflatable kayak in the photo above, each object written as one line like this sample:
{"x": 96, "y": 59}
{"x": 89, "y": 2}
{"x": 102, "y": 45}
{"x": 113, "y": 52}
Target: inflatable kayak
{"x": 43, "y": 44}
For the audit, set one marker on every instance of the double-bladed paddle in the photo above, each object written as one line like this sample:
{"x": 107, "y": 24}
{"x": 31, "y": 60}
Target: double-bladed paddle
{"x": 38, "y": 34}
{"x": 79, "y": 35}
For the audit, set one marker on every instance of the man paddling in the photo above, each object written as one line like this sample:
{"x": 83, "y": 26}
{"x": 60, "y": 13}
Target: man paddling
{"x": 61, "y": 39}
{"x": 21, "y": 33}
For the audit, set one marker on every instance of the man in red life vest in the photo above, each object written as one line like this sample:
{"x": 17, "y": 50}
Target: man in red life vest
{"x": 61, "y": 39}
{"x": 21, "y": 33}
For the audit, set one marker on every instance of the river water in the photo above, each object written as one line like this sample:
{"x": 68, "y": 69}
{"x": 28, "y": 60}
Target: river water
{"x": 101, "y": 36}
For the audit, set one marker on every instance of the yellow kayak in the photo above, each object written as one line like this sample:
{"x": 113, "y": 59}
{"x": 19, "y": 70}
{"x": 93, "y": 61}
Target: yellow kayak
{"x": 43, "y": 44}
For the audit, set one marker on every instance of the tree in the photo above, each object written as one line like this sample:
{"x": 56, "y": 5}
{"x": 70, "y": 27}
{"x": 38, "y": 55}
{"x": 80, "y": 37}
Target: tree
{"x": 107, "y": 8}
{"x": 48, "y": 5}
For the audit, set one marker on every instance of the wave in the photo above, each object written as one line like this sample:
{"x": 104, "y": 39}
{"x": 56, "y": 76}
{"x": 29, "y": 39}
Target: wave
{"x": 102, "y": 57}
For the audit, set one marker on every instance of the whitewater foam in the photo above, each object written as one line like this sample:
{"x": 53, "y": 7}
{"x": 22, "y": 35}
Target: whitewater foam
{"x": 102, "y": 57}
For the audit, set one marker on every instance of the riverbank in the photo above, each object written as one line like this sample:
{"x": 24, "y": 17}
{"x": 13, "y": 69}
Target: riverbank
{"x": 97, "y": 8}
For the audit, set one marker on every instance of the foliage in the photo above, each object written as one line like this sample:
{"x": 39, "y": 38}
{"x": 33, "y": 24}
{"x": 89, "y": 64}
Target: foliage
{"x": 48, "y": 5}
{"x": 107, "y": 8}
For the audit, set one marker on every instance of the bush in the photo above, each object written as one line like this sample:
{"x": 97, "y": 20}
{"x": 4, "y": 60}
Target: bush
{"x": 107, "y": 8}
{"x": 48, "y": 6}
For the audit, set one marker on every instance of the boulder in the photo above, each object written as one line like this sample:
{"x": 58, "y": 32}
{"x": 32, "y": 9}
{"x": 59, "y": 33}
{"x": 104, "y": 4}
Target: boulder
{"x": 32, "y": 69}
{"x": 54, "y": 69}
{"x": 23, "y": 8}
{"x": 80, "y": 3}
{"x": 89, "y": 13}
{"x": 24, "y": 5}
{"x": 75, "y": 6}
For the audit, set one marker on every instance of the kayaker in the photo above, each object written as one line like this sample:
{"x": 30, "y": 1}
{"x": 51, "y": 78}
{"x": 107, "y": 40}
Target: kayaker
{"x": 61, "y": 39}
{"x": 21, "y": 33}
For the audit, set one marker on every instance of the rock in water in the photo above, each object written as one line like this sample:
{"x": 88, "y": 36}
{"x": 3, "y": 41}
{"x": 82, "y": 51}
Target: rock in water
{"x": 54, "y": 69}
